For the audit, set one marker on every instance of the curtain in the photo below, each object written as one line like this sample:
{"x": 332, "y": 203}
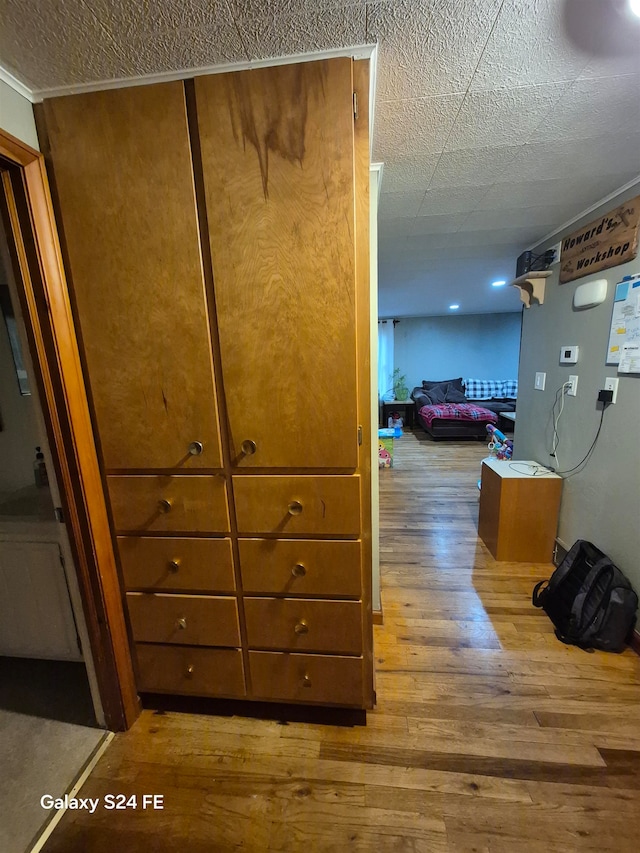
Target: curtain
{"x": 385, "y": 359}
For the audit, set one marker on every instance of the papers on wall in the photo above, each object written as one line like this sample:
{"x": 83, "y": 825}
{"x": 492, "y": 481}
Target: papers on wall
{"x": 624, "y": 336}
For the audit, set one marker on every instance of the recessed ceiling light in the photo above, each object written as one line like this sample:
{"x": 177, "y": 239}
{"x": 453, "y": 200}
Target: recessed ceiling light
{"x": 634, "y": 5}
{"x": 497, "y": 283}
{"x": 453, "y": 307}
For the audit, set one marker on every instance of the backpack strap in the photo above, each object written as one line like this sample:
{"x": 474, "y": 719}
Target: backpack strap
{"x": 538, "y": 595}
{"x": 577, "y": 609}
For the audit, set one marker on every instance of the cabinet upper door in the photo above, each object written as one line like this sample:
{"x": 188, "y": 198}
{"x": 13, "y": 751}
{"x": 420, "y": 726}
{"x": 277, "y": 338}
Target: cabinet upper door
{"x": 124, "y": 178}
{"x": 278, "y": 164}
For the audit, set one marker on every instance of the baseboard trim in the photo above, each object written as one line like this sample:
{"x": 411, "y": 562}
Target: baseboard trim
{"x": 635, "y": 642}
{"x": 378, "y": 618}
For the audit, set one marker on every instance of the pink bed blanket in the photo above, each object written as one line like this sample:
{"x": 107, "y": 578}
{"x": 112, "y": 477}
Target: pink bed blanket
{"x": 457, "y": 412}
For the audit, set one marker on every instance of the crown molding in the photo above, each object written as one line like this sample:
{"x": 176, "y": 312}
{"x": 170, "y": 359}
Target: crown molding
{"x": 556, "y": 231}
{"x": 15, "y": 84}
{"x": 364, "y": 51}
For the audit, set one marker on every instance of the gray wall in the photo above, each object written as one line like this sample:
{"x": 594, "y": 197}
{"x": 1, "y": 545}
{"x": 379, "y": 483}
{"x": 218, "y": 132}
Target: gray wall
{"x": 481, "y": 346}
{"x": 602, "y": 502}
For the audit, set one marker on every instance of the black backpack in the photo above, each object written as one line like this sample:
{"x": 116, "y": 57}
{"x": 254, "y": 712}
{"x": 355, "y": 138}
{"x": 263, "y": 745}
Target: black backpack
{"x": 589, "y": 600}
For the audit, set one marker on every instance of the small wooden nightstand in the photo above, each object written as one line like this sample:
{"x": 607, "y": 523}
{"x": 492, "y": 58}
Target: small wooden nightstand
{"x": 405, "y": 408}
{"x": 519, "y": 510}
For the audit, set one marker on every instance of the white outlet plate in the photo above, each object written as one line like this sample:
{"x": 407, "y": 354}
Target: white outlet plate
{"x": 611, "y": 384}
{"x": 571, "y": 392}
{"x": 541, "y": 379}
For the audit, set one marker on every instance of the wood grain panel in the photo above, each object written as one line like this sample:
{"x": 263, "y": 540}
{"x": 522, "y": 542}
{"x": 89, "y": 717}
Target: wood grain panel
{"x": 196, "y": 503}
{"x": 197, "y": 620}
{"x": 190, "y": 670}
{"x": 277, "y": 153}
{"x": 330, "y": 505}
{"x": 323, "y": 679}
{"x": 124, "y": 180}
{"x": 180, "y": 564}
{"x": 300, "y": 567}
{"x": 304, "y": 625}
{"x": 518, "y": 516}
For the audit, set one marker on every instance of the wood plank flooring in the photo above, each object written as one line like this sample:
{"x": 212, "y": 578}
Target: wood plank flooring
{"x": 489, "y": 734}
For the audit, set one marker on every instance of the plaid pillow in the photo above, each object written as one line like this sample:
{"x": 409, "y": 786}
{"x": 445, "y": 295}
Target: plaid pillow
{"x": 510, "y": 388}
{"x": 482, "y": 389}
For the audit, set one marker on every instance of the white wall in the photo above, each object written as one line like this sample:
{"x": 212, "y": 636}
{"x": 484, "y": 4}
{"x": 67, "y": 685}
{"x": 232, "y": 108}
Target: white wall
{"x": 16, "y": 115}
{"x": 374, "y": 185}
{"x": 602, "y": 502}
{"x": 482, "y": 346}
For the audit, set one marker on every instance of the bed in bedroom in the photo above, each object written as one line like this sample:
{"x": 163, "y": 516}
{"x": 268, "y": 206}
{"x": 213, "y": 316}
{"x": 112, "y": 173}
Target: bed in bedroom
{"x": 444, "y": 411}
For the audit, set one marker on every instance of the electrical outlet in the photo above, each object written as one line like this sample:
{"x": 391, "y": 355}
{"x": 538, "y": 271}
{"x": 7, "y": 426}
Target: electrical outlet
{"x": 540, "y": 382}
{"x": 571, "y": 391}
{"x": 611, "y": 384}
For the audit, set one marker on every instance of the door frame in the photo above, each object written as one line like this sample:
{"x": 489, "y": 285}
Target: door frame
{"x": 27, "y": 211}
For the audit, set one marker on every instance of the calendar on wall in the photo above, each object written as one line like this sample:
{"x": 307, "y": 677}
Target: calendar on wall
{"x": 624, "y": 335}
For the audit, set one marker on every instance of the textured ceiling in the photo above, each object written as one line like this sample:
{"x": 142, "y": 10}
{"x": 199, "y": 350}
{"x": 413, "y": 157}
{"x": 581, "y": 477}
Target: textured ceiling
{"x": 497, "y": 120}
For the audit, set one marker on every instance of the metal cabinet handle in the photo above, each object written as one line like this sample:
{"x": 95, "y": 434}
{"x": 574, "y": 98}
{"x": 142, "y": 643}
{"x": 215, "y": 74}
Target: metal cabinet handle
{"x": 181, "y": 623}
{"x": 249, "y": 447}
{"x": 301, "y": 627}
{"x": 294, "y": 508}
{"x": 196, "y": 448}
{"x": 164, "y": 505}
{"x": 306, "y": 681}
{"x": 190, "y": 670}
{"x": 174, "y": 565}
{"x": 298, "y": 571}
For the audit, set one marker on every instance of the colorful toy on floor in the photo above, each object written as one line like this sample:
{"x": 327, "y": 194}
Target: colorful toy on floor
{"x": 499, "y": 444}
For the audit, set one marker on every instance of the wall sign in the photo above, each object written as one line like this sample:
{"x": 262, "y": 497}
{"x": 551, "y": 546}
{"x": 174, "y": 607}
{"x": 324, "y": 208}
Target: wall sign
{"x": 604, "y": 243}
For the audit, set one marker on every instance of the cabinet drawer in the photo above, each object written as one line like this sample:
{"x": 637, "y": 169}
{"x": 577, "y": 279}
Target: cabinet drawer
{"x": 198, "y": 620}
{"x": 301, "y": 567}
{"x": 298, "y": 505}
{"x": 304, "y": 625}
{"x": 190, "y": 670}
{"x": 196, "y": 565}
{"x": 169, "y": 504}
{"x": 321, "y": 679}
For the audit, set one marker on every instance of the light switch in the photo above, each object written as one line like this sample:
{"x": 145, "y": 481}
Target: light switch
{"x": 541, "y": 379}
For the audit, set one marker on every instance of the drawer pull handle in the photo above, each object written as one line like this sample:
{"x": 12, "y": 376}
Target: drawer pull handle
{"x": 174, "y": 565}
{"x": 181, "y": 623}
{"x": 301, "y": 627}
{"x": 298, "y": 571}
{"x": 294, "y": 508}
{"x": 190, "y": 670}
{"x": 249, "y": 447}
{"x": 164, "y": 505}
{"x": 196, "y": 448}
{"x": 306, "y": 681}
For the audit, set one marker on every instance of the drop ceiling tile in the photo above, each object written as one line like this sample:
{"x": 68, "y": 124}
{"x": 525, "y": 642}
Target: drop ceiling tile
{"x": 56, "y": 44}
{"x": 413, "y": 128}
{"x": 473, "y": 166}
{"x": 547, "y": 191}
{"x": 154, "y": 51}
{"x": 266, "y": 32}
{"x": 123, "y": 18}
{"x": 543, "y": 218}
{"x": 530, "y": 45}
{"x": 454, "y": 199}
{"x": 502, "y": 116}
{"x": 609, "y": 105}
{"x": 394, "y": 205}
{"x": 601, "y": 155}
{"x": 410, "y": 174}
{"x": 426, "y": 48}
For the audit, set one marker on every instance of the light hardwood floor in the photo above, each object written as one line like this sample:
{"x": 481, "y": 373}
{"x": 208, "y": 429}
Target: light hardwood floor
{"x": 489, "y": 734}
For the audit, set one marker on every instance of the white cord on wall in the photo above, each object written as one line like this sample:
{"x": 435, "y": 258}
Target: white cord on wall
{"x": 556, "y": 436}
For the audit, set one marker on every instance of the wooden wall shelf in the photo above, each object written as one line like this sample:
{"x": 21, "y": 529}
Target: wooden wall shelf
{"x": 531, "y": 286}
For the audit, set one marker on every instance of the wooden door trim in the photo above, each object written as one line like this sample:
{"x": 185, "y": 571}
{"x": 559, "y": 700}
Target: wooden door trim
{"x": 29, "y": 219}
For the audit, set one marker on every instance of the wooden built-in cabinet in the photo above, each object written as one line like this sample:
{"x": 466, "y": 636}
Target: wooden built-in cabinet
{"x": 215, "y": 233}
